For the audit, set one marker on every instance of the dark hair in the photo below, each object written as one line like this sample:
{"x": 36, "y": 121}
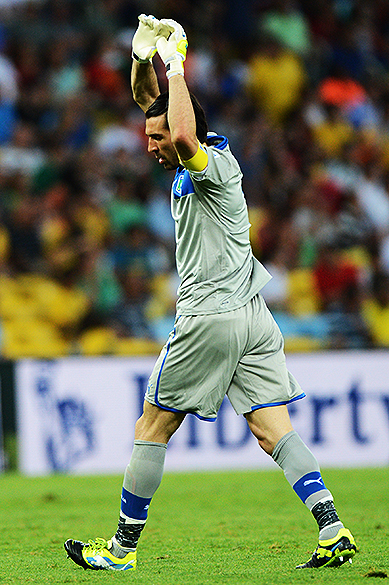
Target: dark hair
{"x": 160, "y": 107}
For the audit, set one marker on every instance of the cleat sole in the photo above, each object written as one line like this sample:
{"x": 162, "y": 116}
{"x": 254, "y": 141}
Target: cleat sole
{"x": 339, "y": 559}
{"x": 336, "y": 555}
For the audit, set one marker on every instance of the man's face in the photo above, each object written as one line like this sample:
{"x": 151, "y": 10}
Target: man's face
{"x": 160, "y": 143}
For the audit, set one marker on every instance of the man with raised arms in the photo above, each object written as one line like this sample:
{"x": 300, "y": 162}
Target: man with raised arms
{"x": 225, "y": 341}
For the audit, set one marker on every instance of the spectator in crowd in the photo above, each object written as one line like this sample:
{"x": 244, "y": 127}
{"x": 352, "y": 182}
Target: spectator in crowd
{"x": 276, "y": 80}
{"x": 376, "y": 310}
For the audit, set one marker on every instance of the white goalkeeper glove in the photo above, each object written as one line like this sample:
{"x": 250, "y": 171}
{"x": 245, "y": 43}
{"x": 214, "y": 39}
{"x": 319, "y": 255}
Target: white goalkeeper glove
{"x": 144, "y": 42}
{"x": 172, "y": 50}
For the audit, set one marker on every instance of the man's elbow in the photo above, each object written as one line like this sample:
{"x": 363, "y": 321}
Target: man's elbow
{"x": 186, "y": 145}
{"x": 141, "y": 100}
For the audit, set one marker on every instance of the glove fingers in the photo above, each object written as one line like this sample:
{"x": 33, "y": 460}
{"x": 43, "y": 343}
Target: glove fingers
{"x": 163, "y": 29}
{"x": 175, "y": 28}
{"x": 143, "y": 42}
{"x": 149, "y": 21}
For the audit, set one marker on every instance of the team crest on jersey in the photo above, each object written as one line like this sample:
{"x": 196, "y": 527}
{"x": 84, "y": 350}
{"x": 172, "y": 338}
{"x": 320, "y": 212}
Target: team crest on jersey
{"x": 179, "y": 183}
{"x": 182, "y": 184}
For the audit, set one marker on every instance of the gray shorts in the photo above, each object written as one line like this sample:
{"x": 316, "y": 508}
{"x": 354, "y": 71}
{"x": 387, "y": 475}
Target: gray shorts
{"x": 239, "y": 353}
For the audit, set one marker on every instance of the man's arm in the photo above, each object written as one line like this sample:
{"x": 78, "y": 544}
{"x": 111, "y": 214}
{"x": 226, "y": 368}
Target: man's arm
{"x": 181, "y": 116}
{"x": 144, "y": 84}
{"x": 181, "y": 119}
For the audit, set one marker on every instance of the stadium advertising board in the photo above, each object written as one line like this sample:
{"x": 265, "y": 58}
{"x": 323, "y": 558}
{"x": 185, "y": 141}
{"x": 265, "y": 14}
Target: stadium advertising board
{"x": 77, "y": 415}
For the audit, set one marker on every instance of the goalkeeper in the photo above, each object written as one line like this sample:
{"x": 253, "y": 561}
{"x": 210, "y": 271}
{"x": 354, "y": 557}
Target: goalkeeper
{"x": 224, "y": 341}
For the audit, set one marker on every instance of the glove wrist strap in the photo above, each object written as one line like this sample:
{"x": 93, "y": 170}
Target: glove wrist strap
{"x": 139, "y": 60}
{"x": 174, "y": 67}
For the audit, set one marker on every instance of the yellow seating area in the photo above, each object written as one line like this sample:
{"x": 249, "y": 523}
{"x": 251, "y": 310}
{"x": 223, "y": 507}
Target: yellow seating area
{"x": 104, "y": 341}
{"x": 303, "y": 298}
{"x": 302, "y": 344}
{"x": 302, "y": 301}
{"x": 40, "y": 318}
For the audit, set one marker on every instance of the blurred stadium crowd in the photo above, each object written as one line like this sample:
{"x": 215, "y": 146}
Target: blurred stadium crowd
{"x": 301, "y": 89}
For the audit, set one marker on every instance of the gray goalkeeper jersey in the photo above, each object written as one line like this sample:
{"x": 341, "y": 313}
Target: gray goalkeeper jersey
{"x": 217, "y": 269}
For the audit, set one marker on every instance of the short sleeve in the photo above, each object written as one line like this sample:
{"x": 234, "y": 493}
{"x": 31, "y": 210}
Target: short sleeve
{"x": 221, "y": 168}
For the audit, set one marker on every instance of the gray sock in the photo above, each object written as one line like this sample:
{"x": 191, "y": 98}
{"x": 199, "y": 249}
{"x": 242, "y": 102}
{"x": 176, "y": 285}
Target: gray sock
{"x": 144, "y": 472}
{"x": 119, "y": 551}
{"x": 141, "y": 480}
{"x": 302, "y": 471}
{"x": 330, "y": 531}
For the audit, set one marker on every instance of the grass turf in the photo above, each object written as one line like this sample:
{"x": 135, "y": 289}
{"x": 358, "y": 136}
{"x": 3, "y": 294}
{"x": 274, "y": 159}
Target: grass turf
{"x": 231, "y": 528}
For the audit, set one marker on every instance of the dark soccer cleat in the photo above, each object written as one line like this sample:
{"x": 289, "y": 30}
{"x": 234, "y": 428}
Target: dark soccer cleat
{"x": 332, "y": 553}
{"x": 96, "y": 555}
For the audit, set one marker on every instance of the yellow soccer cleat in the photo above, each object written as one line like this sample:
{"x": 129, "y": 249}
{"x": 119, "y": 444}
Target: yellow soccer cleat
{"x": 332, "y": 553}
{"x": 96, "y": 555}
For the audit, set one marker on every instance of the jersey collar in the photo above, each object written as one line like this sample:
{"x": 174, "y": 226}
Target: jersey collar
{"x": 217, "y": 140}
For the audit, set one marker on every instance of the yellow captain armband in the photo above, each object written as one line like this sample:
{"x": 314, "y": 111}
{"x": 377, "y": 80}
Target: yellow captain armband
{"x": 198, "y": 162}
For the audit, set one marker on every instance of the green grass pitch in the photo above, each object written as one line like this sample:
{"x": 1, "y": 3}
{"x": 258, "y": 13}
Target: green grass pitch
{"x": 232, "y": 528}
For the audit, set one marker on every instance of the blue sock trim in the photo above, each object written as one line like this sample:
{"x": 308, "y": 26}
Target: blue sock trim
{"x": 309, "y": 484}
{"x": 134, "y": 506}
